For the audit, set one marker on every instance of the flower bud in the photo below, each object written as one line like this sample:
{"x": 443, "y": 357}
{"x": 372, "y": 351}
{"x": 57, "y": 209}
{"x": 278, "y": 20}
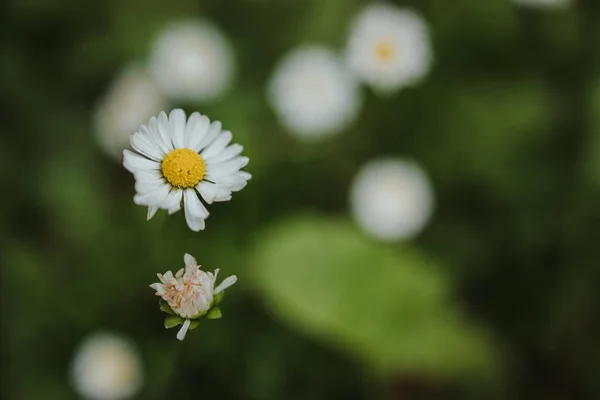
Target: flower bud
{"x": 189, "y": 294}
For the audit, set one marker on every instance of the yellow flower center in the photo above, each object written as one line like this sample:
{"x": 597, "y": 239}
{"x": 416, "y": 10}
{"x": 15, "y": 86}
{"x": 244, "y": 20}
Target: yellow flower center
{"x": 183, "y": 168}
{"x": 385, "y": 50}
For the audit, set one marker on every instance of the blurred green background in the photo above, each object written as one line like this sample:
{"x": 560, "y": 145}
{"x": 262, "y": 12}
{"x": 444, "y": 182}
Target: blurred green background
{"x": 497, "y": 298}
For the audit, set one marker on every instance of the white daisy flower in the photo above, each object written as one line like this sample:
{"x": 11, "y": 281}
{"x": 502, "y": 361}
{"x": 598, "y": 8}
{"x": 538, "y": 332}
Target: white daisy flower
{"x": 544, "y": 3}
{"x": 391, "y": 199}
{"x": 192, "y": 61}
{"x": 313, "y": 93}
{"x": 174, "y": 160}
{"x": 190, "y": 294}
{"x": 389, "y": 47}
{"x": 106, "y": 367}
{"x": 131, "y": 99}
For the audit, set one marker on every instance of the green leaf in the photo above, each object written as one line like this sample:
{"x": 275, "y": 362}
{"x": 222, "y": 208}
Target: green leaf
{"x": 172, "y": 321}
{"x": 164, "y": 306}
{"x": 194, "y": 324}
{"x": 218, "y": 298}
{"x": 214, "y": 313}
{"x": 391, "y": 306}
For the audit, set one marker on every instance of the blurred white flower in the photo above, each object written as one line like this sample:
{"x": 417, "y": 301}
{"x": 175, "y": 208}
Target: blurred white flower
{"x": 389, "y": 47}
{"x": 313, "y": 93}
{"x": 106, "y": 367}
{"x": 131, "y": 99}
{"x": 190, "y": 292}
{"x": 174, "y": 159}
{"x": 544, "y": 3}
{"x": 391, "y": 199}
{"x": 192, "y": 61}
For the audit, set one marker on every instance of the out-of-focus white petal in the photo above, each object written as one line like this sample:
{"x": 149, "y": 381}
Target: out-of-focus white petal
{"x": 391, "y": 199}
{"x": 389, "y": 47}
{"x": 130, "y": 100}
{"x": 192, "y": 60}
{"x": 106, "y": 366}
{"x": 313, "y": 93}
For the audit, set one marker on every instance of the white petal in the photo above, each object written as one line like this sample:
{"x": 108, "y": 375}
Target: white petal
{"x": 208, "y": 281}
{"x": 183, "y": 330}
{"x": 233, "y": 182}
{"x": 153, "y": 132}
{"x": 164, "y": 129}
{"x": 151, "y": 212}
{"x": 226, "y": 154}
{"x": 213, "y": 132}
{"x": 189, "y": 260}
{"x": 177, "y": 123}
{"x": 195, "y": 129}
{"x": 168, "y": 276}
{"x": 195, "y": 212}
{"x": 147, "y": 181}
{"x": 152, "y": 199}
{"x": 179, "y": 273}
{"x": 218, "y": 145}
{"x": 211, "y": 192}
{"x": 226, "y": 167}
{"x": 160, "y": 288}
{"x": 135, "y": 162}
{"x": 142, "y": 144}
{"x": 144, "y": 187}
{"x": 149, "y": 175}
{"x": 246, "y": 175}
{"x": 173, "y": 199}
{"x": 227, "y": 282}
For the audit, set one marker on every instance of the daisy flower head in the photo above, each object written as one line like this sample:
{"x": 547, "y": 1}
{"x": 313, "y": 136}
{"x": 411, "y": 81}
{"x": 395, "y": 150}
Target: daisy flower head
{"x": 131, "y": 99}
{"x": 192, "y": 61}
{"x": 389, "y": 47}
{"x": 189, "y": 295}
{"x": 106, "y": 367}
{"x": 544, "y": 3}
{"x": 391, "y": 199}
{"x": 313, "y": 93}
{"x": 174, "y": 159}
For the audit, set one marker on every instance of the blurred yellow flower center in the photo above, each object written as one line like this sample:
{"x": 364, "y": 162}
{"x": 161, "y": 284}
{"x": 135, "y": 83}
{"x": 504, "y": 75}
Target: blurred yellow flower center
{"x": 385, "y": 50}
{"x": 183, "y": 168}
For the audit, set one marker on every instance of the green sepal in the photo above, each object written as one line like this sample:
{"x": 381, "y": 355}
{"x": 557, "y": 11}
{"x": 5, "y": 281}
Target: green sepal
{"x": 194, "y": 324}
{"x": 218, "y": 297}
{"x": 164, "y": 306}
{"x": 172, "y": 321}
{"x": 214, "y": 313}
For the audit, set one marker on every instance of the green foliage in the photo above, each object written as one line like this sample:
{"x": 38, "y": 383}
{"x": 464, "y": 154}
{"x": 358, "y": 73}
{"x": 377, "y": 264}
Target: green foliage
{"x": 164, "y": 306}
{"x": 214, "y": 313}
{"x": 172, "y": 321}
{"x": 390, "y": 306}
